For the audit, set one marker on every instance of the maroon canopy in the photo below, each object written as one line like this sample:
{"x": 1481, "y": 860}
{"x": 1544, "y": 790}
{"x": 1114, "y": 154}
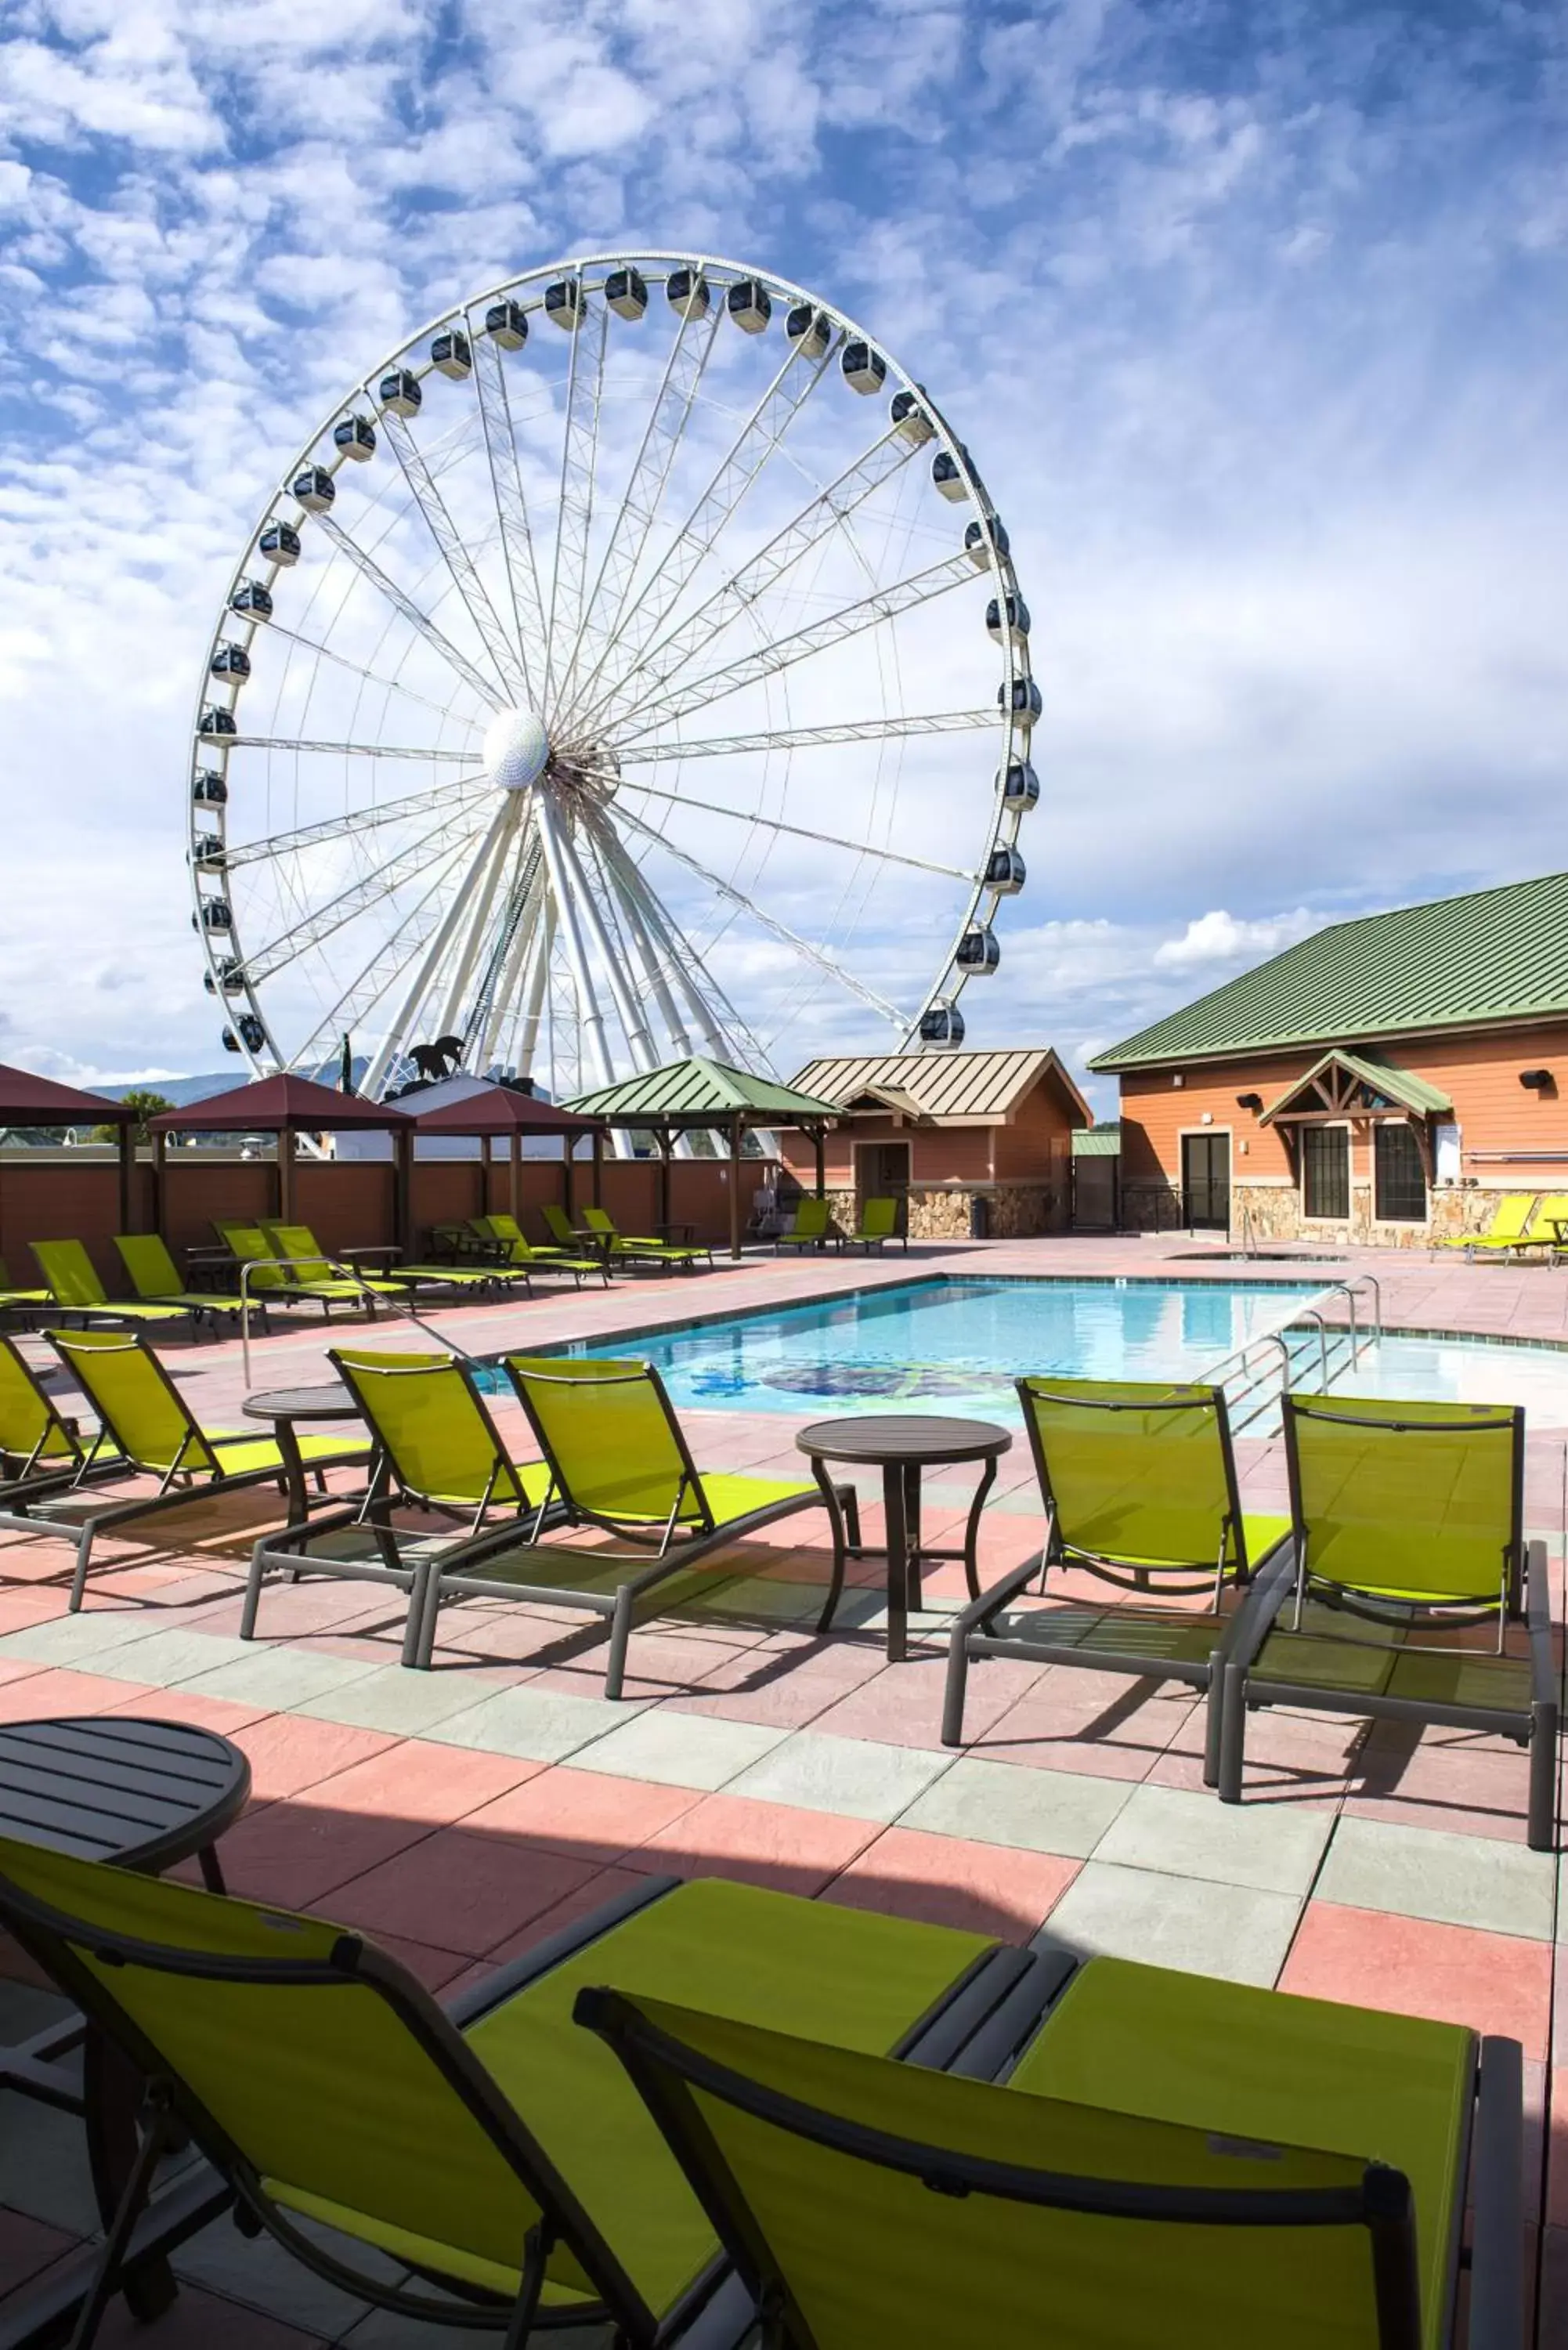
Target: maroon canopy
{"x": 497, "y": 1109}
{"x": 27, "y": 1101}
{"x": 280, "y": 1104}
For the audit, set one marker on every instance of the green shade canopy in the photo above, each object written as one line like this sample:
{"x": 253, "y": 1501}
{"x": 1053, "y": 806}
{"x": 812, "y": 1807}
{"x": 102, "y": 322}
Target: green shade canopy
{"x": 699, "y": 1092}
{"x": 1490, "y": 956}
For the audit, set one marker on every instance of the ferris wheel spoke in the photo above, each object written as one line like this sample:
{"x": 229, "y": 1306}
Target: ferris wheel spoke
{"x": 645, "y": 955}
{"x": 575, "y": 512}
{"x": 349, "y": 749}
{"x": 804, "y": 947}
{"x": 369, "y": 569}
{"x": 639, "y": 1044}
{"x": 355, "y": 669}
{"x": 832, "y": 629}
{"x": 524, "y": 1032}
{"x": 803, "y": 832}
{"x": 693, "y": 346}
{"x": 355, "y": 821}
{"x": 487, "y": 882}
{"x": 758, "y": 438}
{"x": 453, "y": 551}
{"x": 723, "y": 1027}
{"x": 372, "y": 889}
{"x": 511, "y": 506}
{"x": 806, "y": 738}
{"x": 817, "y": 520}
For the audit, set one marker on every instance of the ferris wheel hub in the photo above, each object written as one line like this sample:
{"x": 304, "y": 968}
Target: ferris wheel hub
{"x": 517, "y": 750}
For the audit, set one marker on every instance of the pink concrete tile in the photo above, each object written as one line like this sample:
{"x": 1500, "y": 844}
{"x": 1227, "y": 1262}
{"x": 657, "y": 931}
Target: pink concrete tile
{"x": 1076, "y": 1720}
{"x": 950, "y": 1881}
{"x": 19, "y": 1609}
{"x": 18, "y": 1669}
{"x": 581, "y": 1902}
{"x": 755, "y": 1843}
{"x": 1456, "y": 1974}
{"x": 26, "y": 2247}
{"x": 420, "y": 1780}
{"x": 218, "y": 1713}
{"x": 1474, "y": 1793}
{"x": 585, "y": 1815}
{"x": 290, "y": 1751}
{"x": 63, "y": 1691}
{"x": 298, "y": 1853}
{"x": 1552, "y": 2315}
{"x": 1557, "y": 2148}
{"x": 460, "y": 1892}
{"x": 902, "y": 1705}
{"x": 436, "y": 1969}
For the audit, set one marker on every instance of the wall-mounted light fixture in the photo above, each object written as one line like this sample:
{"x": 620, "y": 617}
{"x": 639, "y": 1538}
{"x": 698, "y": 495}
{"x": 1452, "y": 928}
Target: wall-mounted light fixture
{"x": 1177, "y": 1078}
{"x": 1249, "y": 1101}
{"x": 1537, "y": 1081}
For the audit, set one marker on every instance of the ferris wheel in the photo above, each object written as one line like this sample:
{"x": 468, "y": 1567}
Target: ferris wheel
{"x": 631, "y": 665}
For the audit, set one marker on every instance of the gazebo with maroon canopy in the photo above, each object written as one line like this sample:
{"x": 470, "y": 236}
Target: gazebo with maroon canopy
{"x": 286, "y": 1105}
{"x": 487, "y": 1109}
{"x": 27, "y": 1101}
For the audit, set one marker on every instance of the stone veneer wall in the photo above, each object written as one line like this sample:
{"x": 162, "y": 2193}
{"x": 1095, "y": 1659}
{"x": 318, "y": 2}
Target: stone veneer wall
{"x": 940, "y": 1211}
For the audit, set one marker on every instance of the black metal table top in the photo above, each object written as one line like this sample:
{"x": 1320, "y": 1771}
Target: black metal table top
{"x": 333, "y": 1403}
{"x": 143, "y": 1792}
{"x": 877, "y": 1437}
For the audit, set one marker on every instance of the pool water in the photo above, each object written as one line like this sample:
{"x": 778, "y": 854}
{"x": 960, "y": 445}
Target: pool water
{"x": 956, "y": 1346}
{"x": 1465, "y": 1370}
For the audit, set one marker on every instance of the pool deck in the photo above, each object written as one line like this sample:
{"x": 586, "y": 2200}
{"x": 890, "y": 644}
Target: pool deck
{"x": 460, "y": 1816}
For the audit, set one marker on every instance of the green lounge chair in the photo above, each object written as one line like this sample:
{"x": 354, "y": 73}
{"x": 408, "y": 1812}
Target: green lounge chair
{"x": 1508, "y": 1227}
{"x": 155, "y": 1278}
{"x": 1139, "y": 1480}
{"x": 75, "y": 1287}
{"x": 879, "y": 1224}
{"x": 1170, "y": 2161}
{"x": 20, "y": 1299}
{"x": 437, "y": 1448}
{"x": 632, "y": 1248}
{"x": 311, "y": 1267}
{"x": 617, "y": 1460}
{"x": 1550, "y": 1213}
{"x": 41, "y": 1450}
{"x": 278, "y": 1285}
{"x": 1408, "y": 1518}
{"x": 813, "y": 1227}
{"x": 505, "y": 1234}
{"x": 496, "y": 2152}
{"x": 142, "y": 1412}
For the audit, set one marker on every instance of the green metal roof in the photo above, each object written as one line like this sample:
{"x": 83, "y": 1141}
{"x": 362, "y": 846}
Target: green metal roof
{"x": 1491, "y": 955}
{"x": 1398, "y": 1089}
{"x": 1098, "y": 1142}
{"x": 684, "y": 1093}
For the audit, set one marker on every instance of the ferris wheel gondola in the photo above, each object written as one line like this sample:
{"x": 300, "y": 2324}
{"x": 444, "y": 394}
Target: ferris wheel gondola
{"x": 454, "y": 768}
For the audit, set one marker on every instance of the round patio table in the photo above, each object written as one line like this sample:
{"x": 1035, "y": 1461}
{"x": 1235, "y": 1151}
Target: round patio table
{"x": 284, "y": 1407}
{"x": 903, "y": 1444}
{"x": 145, "y": 1795}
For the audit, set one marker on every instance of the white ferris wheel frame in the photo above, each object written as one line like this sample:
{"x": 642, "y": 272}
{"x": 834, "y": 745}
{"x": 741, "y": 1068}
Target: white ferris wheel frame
{"x": 557, "y": 894}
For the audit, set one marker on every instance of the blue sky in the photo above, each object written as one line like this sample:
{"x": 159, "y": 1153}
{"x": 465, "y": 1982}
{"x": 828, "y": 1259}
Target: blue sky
{"x": 1253, "y": 316}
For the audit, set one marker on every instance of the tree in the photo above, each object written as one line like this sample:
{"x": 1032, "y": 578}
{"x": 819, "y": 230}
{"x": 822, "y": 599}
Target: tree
{"x": 146, "y": 1104}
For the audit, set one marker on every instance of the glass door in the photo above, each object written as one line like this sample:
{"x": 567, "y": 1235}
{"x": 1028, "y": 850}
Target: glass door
{"x": 1206, "y": 1181}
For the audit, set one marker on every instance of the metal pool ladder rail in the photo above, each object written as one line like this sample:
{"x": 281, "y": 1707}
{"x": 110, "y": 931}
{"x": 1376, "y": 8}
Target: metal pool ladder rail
{"x": 1254, "y": 1375}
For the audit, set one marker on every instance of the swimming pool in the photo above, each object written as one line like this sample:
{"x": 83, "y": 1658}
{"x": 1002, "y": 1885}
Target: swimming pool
{"x": 941, "y": 1346}
{"x": 1465, "y": 1370}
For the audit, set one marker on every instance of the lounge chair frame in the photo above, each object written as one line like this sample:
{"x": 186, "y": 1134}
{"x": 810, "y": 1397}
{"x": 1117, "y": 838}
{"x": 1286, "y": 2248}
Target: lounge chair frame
{"x": 1523, "y": 1589}
{"x": 713, "y": 2313}
{"x": 973, "y": 1635}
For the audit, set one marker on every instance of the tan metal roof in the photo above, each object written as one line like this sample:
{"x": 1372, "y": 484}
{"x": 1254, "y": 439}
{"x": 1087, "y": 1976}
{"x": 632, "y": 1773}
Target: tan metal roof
{"x": 954, "y": 1088}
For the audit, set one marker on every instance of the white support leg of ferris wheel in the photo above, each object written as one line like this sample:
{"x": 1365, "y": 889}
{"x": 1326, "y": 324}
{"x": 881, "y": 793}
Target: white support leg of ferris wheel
{"x": 639, "y": 1042}
{"x": 451, "y": 1012}
{"x": 538, "y": 980}
{"x": 589, "y": 1015}
{"x": 678, "y": 957}
{"x": 502, "y": 1006}
{"x": 653, "y": 979}
{"x": 397, "y": 1038}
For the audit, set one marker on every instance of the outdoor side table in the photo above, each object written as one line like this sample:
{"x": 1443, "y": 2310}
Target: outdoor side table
{"x": 902, "y": 1444}
{"x": 145, "y": 1795}
{"x": 286, "y": 1406}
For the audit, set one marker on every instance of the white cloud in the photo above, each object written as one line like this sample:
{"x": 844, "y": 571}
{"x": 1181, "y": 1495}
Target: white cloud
{"x": 1220, "y": 938}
